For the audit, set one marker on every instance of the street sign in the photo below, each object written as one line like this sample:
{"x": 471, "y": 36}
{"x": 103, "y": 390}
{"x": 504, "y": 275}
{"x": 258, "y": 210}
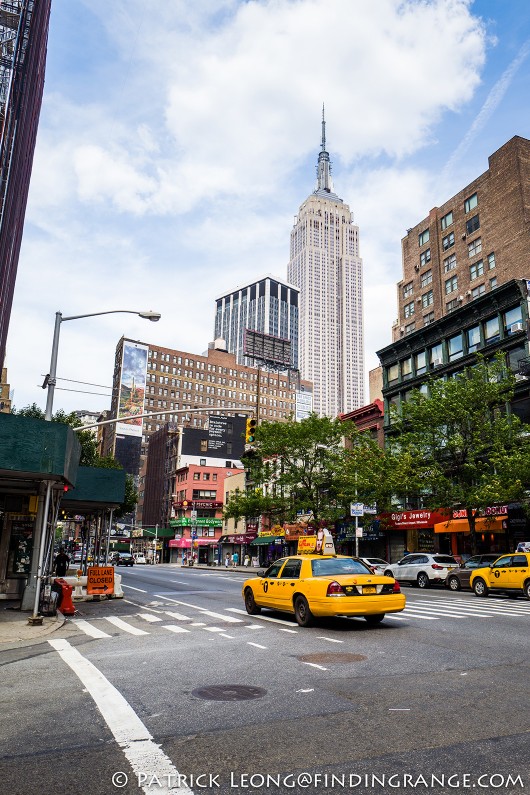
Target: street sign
{"x": 356, "y": 509}
{"x": 193, "y": 514}
{"x": 100, "y": 580}
{"x": 370, "y": 509}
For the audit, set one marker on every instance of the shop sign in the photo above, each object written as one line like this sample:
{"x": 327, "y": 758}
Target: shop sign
{"x": 410, "y": 520}
{"x": 186, "y": 521}
{"x": 197, "y": 504}
{"x": 493, "y": 510}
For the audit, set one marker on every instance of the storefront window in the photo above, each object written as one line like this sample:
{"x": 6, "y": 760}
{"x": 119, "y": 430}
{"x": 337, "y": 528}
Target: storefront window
{"x": 473, "y": 339}
{"x": 511, "y": 318}
{"x": 406, "y": 368}
{"x": 20, "y": 548}
{"x": 421, "y": 362}
{"x": 491, "y": 330}
{"x": 455, "y": 347}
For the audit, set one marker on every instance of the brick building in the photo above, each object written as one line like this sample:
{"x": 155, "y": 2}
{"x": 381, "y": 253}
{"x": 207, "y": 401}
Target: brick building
{"x": 477, "y": 240}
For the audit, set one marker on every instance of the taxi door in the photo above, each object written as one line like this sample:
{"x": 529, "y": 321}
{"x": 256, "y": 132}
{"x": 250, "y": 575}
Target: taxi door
{"x": 269, "y": 586}
{"x": 500, "y": 574}
{"x": 289, "y": 577}
{"x": 519, "y": 570}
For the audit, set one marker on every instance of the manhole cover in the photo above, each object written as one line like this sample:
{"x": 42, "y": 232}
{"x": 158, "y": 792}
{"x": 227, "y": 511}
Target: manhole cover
{"x": 332, "y": 657}
{"x": 229, "y": 692}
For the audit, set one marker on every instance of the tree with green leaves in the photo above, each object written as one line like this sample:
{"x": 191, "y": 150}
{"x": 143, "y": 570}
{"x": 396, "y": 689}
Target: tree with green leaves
{"x": 459, "y": 445}
{"x": 293, "y": 468}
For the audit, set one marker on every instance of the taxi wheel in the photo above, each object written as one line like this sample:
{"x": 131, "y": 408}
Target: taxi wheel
{"x": 453, "y": 584}
{"x": 374, "y": 619}
{"x": 423, "y": 580}
{"x": 304, "y": 616}
{"x": 480, "y": 588}
{"x": 526, "y": 589}
{"x": 250, "y": 605}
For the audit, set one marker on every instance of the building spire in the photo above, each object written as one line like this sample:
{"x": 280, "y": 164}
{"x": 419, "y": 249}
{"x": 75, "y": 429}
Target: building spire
{"x": 324, "y": 167}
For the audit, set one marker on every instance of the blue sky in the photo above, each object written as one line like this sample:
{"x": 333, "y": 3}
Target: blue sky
{"x": 177, "y": 141}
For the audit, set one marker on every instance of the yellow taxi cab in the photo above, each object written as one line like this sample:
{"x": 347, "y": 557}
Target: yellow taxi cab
{"x": 323, "y": 585}
{"x": 509, "y": 574}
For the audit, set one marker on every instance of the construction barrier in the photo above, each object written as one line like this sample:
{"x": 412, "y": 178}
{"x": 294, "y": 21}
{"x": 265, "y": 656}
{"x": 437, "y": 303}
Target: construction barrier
{"x": 80, "y": 594}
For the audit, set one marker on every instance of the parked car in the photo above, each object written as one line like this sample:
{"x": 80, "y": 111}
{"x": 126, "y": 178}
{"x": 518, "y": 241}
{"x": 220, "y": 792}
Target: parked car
{"x": 310, "y": 586}
{"x": 139, "y": 557}
{"x": 124, "y": 559}
{"x": 509, "y": 574}
{"x": 422, "y": 568}
{"x": 459, "y": 578}
{"x": 377, "y": 564}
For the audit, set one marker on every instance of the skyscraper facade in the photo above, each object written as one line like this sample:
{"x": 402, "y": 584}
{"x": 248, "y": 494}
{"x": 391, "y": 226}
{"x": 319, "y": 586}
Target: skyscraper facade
{"x": 325, "y": 265}
{"x": 268, "y": 305}
{"x": 23, "y": 41}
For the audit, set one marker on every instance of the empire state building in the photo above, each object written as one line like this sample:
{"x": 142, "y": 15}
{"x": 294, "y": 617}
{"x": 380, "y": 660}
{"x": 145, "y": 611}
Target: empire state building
{"x": 325, "y": 265}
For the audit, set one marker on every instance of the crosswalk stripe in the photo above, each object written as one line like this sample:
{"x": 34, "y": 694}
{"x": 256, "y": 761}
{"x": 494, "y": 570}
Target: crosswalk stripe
{"x": 261, "y": 618}
{"x": 202, "y": 610}
{"x": 178, "y": 616}
{"x": 149, "y": 618}
{"x": 88, "y": 629}
{"x": 420, "y": 611}
{"x": 175, "y": 628}
{"x": 118, "y": 622}
{"x": 474, "y": 609}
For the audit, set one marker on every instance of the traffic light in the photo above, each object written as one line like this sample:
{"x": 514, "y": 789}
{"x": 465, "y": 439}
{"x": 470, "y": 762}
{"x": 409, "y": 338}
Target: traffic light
{"x": 250, "y": 432}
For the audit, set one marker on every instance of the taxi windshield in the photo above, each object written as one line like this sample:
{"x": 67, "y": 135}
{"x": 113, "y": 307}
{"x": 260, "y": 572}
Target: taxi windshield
{"x": 335, "y": 566}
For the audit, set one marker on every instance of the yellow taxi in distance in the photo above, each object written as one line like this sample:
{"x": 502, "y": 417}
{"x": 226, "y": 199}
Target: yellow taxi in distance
{"x": 317, "y": 585}
{"x": 509, "y": 573}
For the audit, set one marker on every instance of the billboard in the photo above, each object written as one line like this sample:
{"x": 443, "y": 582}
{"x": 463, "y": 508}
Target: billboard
{"x": 132, "y": 387}
{"x": 266, "y": 348}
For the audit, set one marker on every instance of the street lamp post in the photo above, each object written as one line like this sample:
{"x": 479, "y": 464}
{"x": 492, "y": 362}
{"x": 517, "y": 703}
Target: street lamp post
{"x": 50, "y": 381}
{"x": 51, "y": 378}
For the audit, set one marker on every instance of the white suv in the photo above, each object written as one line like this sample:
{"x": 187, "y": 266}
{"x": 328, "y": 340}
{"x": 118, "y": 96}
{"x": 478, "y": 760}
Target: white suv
{"x": 422, "y": 568}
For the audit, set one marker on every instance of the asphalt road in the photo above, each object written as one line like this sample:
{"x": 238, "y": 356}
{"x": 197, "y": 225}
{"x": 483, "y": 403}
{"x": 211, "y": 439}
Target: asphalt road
{"x": 131, "y": 688}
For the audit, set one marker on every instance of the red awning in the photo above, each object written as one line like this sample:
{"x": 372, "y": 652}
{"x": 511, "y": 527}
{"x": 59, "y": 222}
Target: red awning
{"x": 185, "y": 543}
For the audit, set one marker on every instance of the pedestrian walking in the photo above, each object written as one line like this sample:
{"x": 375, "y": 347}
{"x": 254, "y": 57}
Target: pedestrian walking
{"x": 235, "y": 560}
{"x": 246, "y": 561}
{"x": 183, "y": 558}
{"x": 60, "y": 563}
{"x": 227, "y": 560}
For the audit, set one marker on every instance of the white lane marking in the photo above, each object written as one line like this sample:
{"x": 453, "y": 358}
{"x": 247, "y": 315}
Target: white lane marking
{"x": 465, "y": 611}
{"x": 198, "y": 624}
{"x": 179, "y": 582}
{"x": 399, "y": 709}
{"x": 125, "y": 626}
{"x": 396, "y": 618}
{"x": 491, "y": 610}
{"x": 260, "y": 618}
{"x": 257, "y": 645}
{"x": 331, "y": 640}
{"x": 131, "y": 588}
{"x": 88, "y": 629}
{"x": 433, "y": 611}
{"x": 179, "y": 616}
{"x": 144, "y": 755}
{"x": 306, "y": 690}
{"x": 174, "y": 628}
{"x": 314, "y": 665}
{"x": 213, "y": 629}
{"x": 255, "y": 626}
{"x": 203, "y": 610}
{"x": 224, "y": 635}
{"x": 412, "y": 615}
{"x": 292, "y": 631}
{"x": 148, "y": 617}
{"x": 144, "y": 607}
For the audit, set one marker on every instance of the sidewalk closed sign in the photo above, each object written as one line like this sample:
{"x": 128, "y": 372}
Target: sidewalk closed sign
{"x": 100, "y": 580}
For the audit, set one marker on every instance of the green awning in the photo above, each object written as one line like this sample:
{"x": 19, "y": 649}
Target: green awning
{"x": 262, "y": 540}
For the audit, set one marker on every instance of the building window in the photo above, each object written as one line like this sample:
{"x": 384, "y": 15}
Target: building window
{"x": 214, "y": 476}
{"x": 406, "y": 368}
{"x": 448, "y": 241}
{"x": 511, "y": 318}
{"x": 408, "y": 289}
{"x": 491, "y": 261}
{"x": 493, "y": 283}
{"x": 475, "y": 247}
{"x": 455, "y": 347}
{"x": 428, "y": 319}
{"x": 425, "y": 257}
{"x": 392, "y": 373}
{"x": 423, "y": 237}
{"x": 408, "y": 309}
{"x": 410, "y": 327}
{"x": 446, "y": 221}
{"x": 452, "y": 305}
{"x": 196, "y": 476}
{"x": 421, "y": 362}
{"x": 476, "y": 270}
{"x": 436, "y": 355}
{"x": 427, "y": 299}
{"x": 491, "y": 330}
{"x": 202, "y": 462}
{"x": 450, "y": 263}
{"x": 476, "y": 291}
{"x": 206, "y": 476}
{"x": 473, "y": 339}
{"x": 451, "y": 285}
{"x": 426, "y": 278}
{"x": 472, "y": 225}
{"x": 470, "y": 203}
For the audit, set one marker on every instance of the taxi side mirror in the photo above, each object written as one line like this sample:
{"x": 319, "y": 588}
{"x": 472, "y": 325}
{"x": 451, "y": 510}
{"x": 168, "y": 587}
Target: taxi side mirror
{"x": 260, "y": 573}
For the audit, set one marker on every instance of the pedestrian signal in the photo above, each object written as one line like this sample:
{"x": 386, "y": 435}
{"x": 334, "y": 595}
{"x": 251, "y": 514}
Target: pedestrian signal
{"x": 250, "y": 433}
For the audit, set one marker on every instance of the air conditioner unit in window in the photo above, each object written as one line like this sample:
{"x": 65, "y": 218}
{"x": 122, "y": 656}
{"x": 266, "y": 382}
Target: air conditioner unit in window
{"x": 468, "y": 292}
{"x": 437, "y": 362}
{"x": 460, "y": 297}
{"x": 516, "y": 327}
{"x": 418, "y": 300}
{"x": 464, "y": 236}
{"x": 402, "y": 329}
{"x": 416, "y": 267}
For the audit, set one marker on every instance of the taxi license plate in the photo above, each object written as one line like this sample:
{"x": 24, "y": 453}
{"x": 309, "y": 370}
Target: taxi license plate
{"x": 369, "y": 589}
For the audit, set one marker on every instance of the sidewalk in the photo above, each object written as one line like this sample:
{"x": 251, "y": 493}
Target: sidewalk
{"x": 14, "y": 625}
